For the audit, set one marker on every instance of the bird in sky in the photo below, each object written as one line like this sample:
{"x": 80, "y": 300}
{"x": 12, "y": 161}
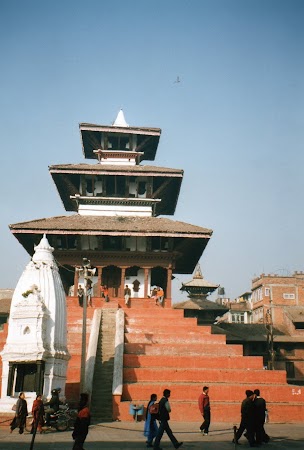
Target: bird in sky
{"x": 177, "y": 80}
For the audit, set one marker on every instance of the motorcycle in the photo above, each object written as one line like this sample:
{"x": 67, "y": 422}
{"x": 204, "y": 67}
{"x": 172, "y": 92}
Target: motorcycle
{"x": 61, "y": 420}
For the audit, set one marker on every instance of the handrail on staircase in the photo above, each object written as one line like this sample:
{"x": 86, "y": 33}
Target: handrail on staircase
{"x": 119, "y": 352}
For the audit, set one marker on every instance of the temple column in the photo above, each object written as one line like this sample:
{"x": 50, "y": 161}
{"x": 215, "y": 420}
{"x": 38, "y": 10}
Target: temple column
{"x": 146, "y": 269}
{"x": 122, "y": 281}
{"x": 169, "y": 283}
{"x": 76, "y": 281}
{"x": 99, "y": 279}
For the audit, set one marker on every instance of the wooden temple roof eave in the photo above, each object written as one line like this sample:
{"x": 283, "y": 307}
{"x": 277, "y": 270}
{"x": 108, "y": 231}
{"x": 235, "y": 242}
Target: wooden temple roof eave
{"x": 105, "y": 224}
{"x": 109, "y": 233}
{"x": 125, "y": 130}
{"x": 103, "y": 169}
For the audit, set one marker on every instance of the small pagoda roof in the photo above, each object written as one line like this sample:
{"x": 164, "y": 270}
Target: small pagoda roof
{"x": 147, "y": 138}
{"x": 191, "y": 249}
{"x": 198, "y": 282}
{"x": 67, "y": 180}
{"x": 201, "y": 304}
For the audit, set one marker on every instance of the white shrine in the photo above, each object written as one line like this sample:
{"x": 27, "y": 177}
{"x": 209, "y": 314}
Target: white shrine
{"x": 35, "y": 356}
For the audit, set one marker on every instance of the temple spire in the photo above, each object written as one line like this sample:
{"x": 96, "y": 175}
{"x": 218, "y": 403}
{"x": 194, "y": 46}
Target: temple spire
{"x": 120, "y": 120}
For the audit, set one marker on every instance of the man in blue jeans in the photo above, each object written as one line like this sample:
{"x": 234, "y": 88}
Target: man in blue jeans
{"x": 164, "y": 417}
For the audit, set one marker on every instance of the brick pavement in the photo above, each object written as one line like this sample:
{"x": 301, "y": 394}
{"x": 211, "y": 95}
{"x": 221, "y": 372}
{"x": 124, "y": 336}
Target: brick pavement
{"x": 129, "y": 435}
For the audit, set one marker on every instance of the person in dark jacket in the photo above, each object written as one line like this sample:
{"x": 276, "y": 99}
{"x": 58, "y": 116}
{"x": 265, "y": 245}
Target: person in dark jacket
{"x": 164, "y": 417}
{"x": 259, "y": 412}
{"x": 247, "y": 419}
{"x": 20, "y": 415}
{"x": 82, "y": 422}
{"x": 53, "y": 406}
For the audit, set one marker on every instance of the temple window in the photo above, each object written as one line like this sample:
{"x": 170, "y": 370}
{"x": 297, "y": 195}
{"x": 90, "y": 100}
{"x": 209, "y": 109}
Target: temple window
{"x": 89, "y": 242}
{"x": 159, "y": 243}
{"x": 112, "y": 243}
{"x": 98, "y": 186}
{"x": 141, "y": 188}
{"x": 89, "y": 185}
{"x": 135, "y": 244}
{"x": 115, "y": 186}
{"x": 118, "y": 142}
{"x": 66, "y": 242}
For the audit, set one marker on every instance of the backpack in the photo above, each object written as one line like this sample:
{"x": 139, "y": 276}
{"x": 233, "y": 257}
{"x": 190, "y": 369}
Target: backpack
{"x": 154, "y": 408}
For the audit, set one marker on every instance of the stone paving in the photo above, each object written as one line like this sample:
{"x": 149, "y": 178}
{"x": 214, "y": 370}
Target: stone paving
{"x": 129, "y": 435}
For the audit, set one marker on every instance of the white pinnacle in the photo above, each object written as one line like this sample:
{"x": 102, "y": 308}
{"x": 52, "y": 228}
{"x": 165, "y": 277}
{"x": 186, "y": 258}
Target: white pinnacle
{"x": 120, "y": 120}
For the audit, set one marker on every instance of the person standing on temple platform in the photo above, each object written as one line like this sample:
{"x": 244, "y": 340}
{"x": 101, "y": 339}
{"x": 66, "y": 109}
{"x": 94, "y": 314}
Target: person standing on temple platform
{"x": 127, "y": 294}
{"x": 204, "y": 407}
{"x": 106, "y": 293}
{"x": 80, "y": 294}
{"x": 159, "y": 296}
{"x": 89, "y": 293}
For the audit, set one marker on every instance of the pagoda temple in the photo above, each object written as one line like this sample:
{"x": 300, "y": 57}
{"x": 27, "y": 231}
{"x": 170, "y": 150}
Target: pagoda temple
{"x": 118, "y": 202}
{"x": 197, "y": 305}
{"x": 123, "y": 352}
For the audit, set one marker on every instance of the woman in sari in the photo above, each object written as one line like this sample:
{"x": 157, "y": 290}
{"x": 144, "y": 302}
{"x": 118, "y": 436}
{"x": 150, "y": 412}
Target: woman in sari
{"x": 151, "y": 427}
{"x": 20, "y": 415}
{"x": 38, "y": 414}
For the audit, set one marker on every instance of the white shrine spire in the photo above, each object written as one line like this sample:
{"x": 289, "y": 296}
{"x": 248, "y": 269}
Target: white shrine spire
{"x": 43, "y": 251}
{"x": 120, "y": 120}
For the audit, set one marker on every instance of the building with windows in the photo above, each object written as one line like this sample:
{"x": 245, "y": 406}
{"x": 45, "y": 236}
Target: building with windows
{"x": 239, "y": 309}
{"x": 273, "y": 318}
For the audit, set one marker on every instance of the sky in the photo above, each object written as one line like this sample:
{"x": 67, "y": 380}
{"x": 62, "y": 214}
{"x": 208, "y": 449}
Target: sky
{"x": 234, "y": 122}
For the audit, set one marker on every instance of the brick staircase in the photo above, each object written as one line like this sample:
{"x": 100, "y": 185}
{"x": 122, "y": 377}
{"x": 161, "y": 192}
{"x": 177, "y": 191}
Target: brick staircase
{"x": 165, "y": 350}
{"x": 101, "y": 407}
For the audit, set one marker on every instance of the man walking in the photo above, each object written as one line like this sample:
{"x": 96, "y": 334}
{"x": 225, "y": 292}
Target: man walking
{"x": 204, "y": 407}
{"x": 164, "y": 417}
{"x": 247, "y": 419}
{"x": 259, "y": 412}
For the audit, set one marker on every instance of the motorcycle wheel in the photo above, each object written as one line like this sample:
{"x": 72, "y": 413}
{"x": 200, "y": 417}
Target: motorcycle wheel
{"x": 62, "y": 424}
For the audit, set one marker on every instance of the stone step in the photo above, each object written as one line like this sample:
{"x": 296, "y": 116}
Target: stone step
{"x": 162, "y": 326}
{"x": 131, "y": 375}
{"x": 156, "y": 313}
{"x": 222, "y": 412}
{"x": 162, "y": 322}
{"x": 184, "y": 349}
{"x": 173, "y": 361}
{"x": 231, "y": 392}
{"x": 172, "y": 338}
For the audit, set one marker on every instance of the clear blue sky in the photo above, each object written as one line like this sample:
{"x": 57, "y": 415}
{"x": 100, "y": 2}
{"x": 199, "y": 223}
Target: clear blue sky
{"x": 234, "y": 123}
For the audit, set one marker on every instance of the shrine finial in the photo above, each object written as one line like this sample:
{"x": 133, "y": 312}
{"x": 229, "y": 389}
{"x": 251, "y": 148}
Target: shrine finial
{"x": 120, "y": 120}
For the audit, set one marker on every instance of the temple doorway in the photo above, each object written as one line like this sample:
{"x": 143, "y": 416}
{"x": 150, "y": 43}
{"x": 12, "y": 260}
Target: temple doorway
{"x": 25, "y": 377}
{"x": 111, "y": 277}
{"x": 159, "y": 278}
